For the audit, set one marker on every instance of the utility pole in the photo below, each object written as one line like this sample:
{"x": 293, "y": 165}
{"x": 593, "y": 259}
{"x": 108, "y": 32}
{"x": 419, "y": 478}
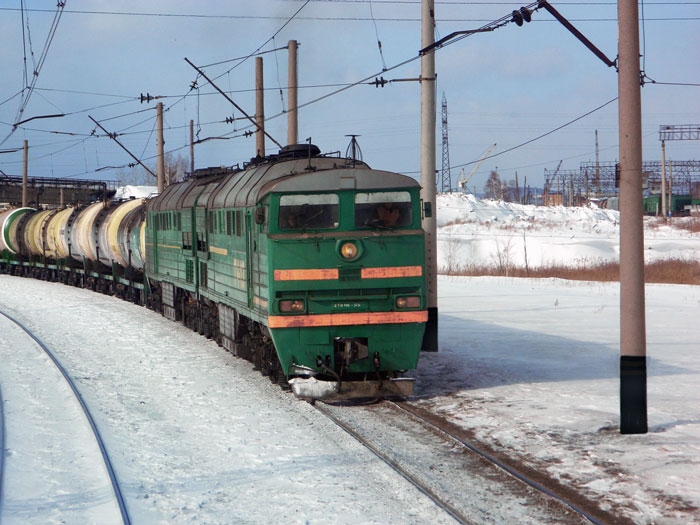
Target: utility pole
{"x": 669, "y": 200}
{"x": 259, "y": 108}
{"x": 633, "y": 369}
{"x": 160, "y": 144}
{"x": 292, "y": 116}
{"x": 663, "y": 179}
{"x": 25, "y": 170}
{"x": 597, "y": 165}
{"x": 427, "y": 170}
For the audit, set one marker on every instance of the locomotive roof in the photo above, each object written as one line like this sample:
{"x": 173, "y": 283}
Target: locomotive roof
{"x": 248, "y": 187}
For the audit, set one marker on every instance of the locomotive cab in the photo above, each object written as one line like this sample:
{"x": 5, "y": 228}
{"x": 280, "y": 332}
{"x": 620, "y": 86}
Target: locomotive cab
{"x": 347, "y": 285}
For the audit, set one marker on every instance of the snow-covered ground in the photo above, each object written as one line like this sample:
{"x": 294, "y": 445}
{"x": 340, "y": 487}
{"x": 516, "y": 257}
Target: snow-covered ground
{"x": 194, "y": 434}
{"x": 531, "y": 365}
{"x": 495, "y": 233}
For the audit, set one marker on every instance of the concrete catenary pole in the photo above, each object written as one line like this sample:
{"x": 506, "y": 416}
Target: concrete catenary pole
{"x": 669, "y": 199}
{"x": 633, "y": 372}
{"x": 25, "y": 171}
{"x": 663, "y": 178}
{"x": 259, "y": 108}
{"x": 292, "y": 114}
{"x": 427, "y": 170}
{"x": 160, "y": 145}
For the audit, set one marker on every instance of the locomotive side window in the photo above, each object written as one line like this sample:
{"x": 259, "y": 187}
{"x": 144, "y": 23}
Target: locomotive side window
{"x": 201, "y": 242}
{"x": 384, "y": 209}
{"x": 187, "y": 241}
{"x": 314, "y": 211}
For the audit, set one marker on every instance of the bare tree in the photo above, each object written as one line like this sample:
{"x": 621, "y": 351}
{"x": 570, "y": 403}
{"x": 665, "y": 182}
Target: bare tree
{"x": 510, "y": 191}
{"x": 504, "y": 257}
{"x": 494, "y": 187}
{"x": 135, "y": 176}
{"x": 175, "y": 169}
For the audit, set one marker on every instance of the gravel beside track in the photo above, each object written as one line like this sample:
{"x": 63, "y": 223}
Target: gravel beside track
{"x": 473, "y": 488}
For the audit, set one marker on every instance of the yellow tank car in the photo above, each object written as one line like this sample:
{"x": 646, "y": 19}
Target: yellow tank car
{"x": 33, "y": 232}
{"x": 56, "y": 240}
{"x": 109, "y": 247}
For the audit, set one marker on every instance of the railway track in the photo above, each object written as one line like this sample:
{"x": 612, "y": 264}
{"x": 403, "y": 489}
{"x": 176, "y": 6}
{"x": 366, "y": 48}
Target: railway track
{"x": 467, "y": 482}
{"x": 46, "y": 431}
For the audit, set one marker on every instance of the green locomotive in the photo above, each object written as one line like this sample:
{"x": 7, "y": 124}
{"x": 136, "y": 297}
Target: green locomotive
{"x": 311, "y": 266}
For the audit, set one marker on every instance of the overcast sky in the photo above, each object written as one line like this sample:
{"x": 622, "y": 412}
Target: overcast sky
{"x": 508, "y": 87}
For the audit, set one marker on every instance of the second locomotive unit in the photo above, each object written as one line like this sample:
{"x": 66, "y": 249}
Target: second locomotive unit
{"x": 311, "y": 266}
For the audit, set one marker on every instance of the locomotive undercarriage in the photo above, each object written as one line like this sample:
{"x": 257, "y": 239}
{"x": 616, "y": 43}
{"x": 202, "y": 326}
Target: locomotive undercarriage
{"x": 236, "y": 333}
{"x": 340, "y": 385}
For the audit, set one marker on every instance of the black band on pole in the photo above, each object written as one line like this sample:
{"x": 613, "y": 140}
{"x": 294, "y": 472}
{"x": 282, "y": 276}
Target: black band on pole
{"x": 633, "y": 394}
{"x": 430, "y": 337}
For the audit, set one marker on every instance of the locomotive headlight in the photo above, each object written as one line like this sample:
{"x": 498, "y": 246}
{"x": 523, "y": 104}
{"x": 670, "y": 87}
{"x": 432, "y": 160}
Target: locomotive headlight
{"x": 292, "y": 305}
{"x": 349, "y": 250}
{"x": 408, "y": 301}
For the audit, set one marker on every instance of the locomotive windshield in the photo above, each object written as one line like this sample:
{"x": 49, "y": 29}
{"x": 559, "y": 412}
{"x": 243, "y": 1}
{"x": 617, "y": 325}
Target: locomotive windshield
{"x": 313, "y": 211}
{"x": 385, "y": 209}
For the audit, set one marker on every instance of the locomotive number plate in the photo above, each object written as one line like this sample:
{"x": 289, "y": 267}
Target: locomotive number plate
{"x": 349, "y": 306}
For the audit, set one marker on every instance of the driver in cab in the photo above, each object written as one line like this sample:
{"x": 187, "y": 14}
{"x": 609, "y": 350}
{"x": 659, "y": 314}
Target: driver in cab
{"x": 388, "y": 215}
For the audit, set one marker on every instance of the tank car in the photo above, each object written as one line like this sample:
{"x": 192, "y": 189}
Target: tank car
{"x": 99, "y": 246}
{"x": 9, "y": 220}
{"x": 310, "y": 266}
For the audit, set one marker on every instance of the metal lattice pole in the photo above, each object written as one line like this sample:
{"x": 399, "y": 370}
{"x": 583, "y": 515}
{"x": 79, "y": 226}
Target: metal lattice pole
{"x": 446, "y": 185}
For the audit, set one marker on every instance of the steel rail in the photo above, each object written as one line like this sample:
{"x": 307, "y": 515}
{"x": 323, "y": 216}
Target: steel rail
{"x": 2, "y": 447}
{"x": 495, "y": 461}
{"x": 103, "y": 450}
{"x": 432, "y": 495}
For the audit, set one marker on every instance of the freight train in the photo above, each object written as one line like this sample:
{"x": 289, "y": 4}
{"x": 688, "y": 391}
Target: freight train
{"x": 310, "y": 265}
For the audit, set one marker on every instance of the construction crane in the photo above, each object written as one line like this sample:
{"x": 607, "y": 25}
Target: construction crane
{"x": 463, "y": 180}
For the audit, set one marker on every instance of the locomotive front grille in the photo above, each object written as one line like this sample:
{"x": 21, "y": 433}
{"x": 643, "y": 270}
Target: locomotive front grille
{"x": 349, "y": 274}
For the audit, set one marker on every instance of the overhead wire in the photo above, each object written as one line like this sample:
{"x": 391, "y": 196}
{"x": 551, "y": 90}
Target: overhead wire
{"x": 364, "y": 18}
{"x": 286, "y": 23}
{"x": 344, "y": 87}
{"x": 494, "y": 24}
{"x": 376, "y": 32}
{"x": 24, "y": 49}
{"x": 279, "y": 82}
{"x": 530, "y": 141}
{"x": 244, "y": 57}
{"x": 194, "y": 85}
{"x": 28, "y": 90}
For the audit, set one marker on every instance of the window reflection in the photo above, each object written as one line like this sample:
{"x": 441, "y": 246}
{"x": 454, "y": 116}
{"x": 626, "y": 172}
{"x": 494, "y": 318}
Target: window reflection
{"x": 308, "y": 212}
{"x": 386, "y": 209}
